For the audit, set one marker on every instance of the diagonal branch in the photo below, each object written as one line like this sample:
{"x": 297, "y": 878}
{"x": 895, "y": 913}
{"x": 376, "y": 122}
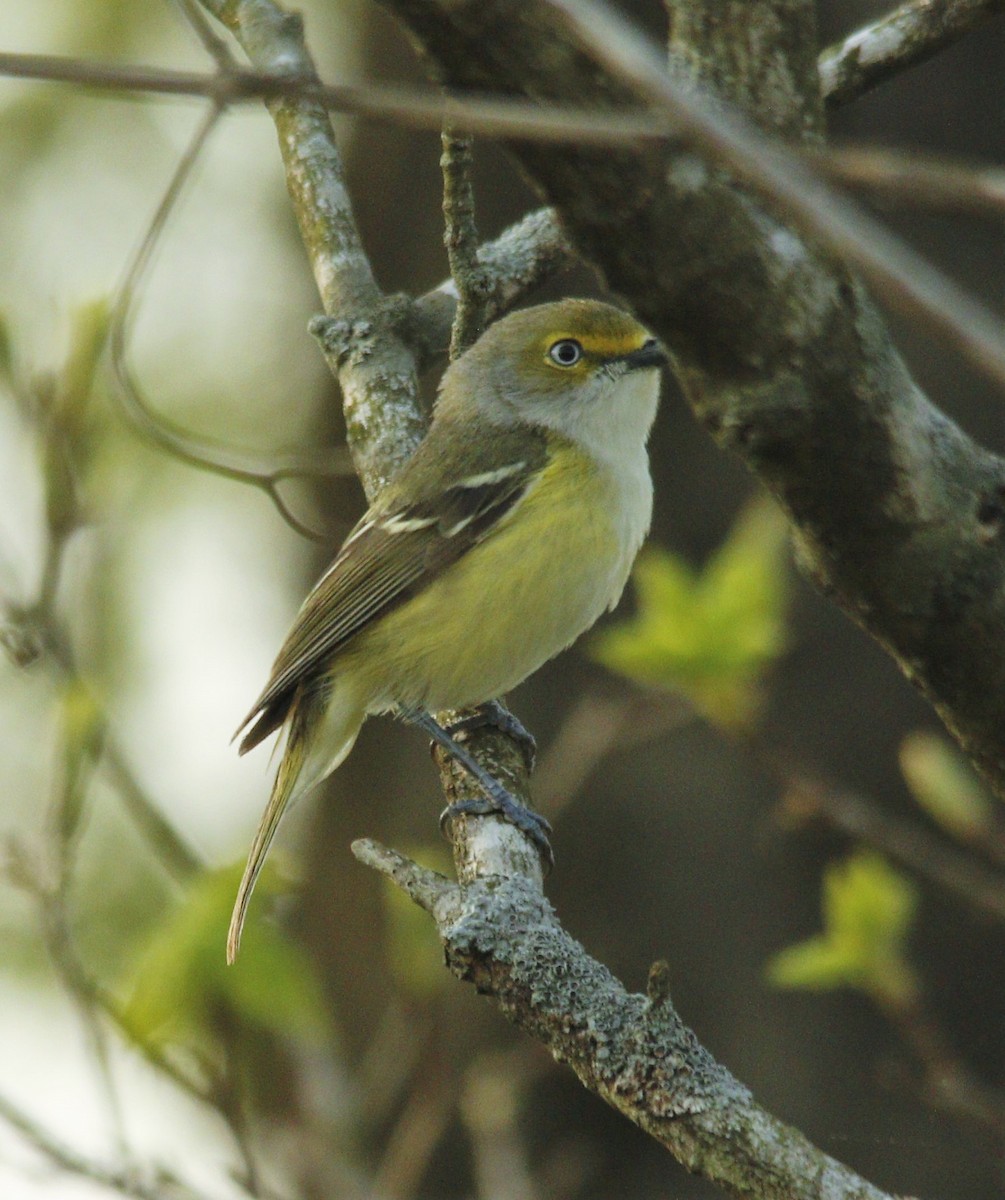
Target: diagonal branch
{"x": 633, "y": 1051}
{"x": 909, "y": 35}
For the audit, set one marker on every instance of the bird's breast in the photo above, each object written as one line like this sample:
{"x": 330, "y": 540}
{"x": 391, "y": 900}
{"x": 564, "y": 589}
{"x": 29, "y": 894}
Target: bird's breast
{"x": 530, "y": 588}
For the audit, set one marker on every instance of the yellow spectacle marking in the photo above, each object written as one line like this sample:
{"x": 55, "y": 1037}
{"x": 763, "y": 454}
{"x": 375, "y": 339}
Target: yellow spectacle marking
{"x": 604, "y": 346}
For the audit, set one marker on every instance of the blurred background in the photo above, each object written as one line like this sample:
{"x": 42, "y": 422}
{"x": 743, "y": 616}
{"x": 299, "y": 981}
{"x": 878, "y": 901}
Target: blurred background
{"x": 689, "y": 752}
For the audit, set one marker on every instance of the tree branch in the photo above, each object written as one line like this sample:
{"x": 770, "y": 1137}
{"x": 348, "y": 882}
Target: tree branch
{"x": 524, "y": 256}
{"x": 380, "y": 392}
{"x": 909, "y": 35}
{"x": 633, "y": 1051}
{"x": 460, "y": 237}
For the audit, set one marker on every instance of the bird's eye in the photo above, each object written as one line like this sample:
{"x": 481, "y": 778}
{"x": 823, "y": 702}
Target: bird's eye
{"x": 566, "y": 353}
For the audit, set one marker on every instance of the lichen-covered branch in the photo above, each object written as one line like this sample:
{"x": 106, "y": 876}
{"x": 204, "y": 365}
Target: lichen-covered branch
{"x": 633, "y": 1051}
{"x": 380, "y": 390}
{"x": 903, "y": 38}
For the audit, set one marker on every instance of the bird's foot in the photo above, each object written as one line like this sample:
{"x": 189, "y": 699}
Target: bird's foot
{"x": 507, "y": 806}
{"x": 495, "y": 798}
{"x": 492, "y": 715}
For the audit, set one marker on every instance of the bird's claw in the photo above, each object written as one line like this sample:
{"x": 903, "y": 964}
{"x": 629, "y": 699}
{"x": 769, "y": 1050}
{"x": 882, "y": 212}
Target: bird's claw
{"x": 493, "y": 715}
{"x": 510, "y": 809}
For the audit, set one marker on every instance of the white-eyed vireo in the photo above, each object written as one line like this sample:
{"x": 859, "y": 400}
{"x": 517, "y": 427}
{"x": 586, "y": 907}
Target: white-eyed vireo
{"x": 506, "y": 535}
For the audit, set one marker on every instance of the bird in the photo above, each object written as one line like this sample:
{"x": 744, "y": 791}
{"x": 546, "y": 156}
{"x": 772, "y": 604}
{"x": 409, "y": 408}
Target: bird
{"x": 504, "y": 537}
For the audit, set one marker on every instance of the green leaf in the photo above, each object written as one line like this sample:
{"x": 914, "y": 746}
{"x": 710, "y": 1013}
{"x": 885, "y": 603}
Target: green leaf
{"x": 183, "y": 987}
{"x": 868, "y": 909}
{"x": 710, "y": 634}
{"x": 944, "y": 784}
{"x": 414, "y": 953}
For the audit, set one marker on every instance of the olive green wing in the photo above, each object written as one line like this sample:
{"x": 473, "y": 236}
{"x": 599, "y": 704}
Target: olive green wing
{"x": 396, "y": 550}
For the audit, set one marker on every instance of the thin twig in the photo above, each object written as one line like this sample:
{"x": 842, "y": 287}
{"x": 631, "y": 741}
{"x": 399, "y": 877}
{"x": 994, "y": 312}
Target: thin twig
{"x": 216, "y": 46}
{"x": 523, "y": 257}
{"x": 209, "y": 456}
{"x": 909, "y": 35}
{"x": 21, "y": 871}
{"x": 490, "y": 1107}
{"x": 923, "y": 853}
{"x": 170, "y": 849}
{"x": 949, "y": 1085}
{"x": 594, "y": 728}
{"x": 418, "y": 1130}
{"x": 413, "y": 107}
{"x": 460, "y": 236}
{"x": 907, "y": 179}
{"x": 875, "y": 52}
{"x": 155, "y": 1183}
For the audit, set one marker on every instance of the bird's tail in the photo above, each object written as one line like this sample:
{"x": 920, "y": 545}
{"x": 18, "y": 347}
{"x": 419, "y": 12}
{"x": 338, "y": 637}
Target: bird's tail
{"x": 320, "y": 736}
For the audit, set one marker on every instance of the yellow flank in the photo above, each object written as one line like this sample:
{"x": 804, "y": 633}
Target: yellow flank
{"x": 502, "y": 608}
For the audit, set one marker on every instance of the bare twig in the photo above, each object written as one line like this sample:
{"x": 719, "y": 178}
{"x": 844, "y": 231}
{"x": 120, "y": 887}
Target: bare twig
{"x": 460, "y": 236}
{"x": 522, "y": 258}
{"x": 417, "y": 1131}
{"x": 908, "y": 179}
{"x": 490, "y": 1107}
{"x": 154, "y": 1183}
{"x": 949, "y": 1085}
{"x": 903, "y": 38}
{"x": 415, "y": 108}
{"x": 204, "y": 31}
{"x": 923, "y": 853}
{"x": 873, "y": 53}
{"x": 181, "y": 444}
{"x": 594, "y": 728}
{"x": 170, "y": 849}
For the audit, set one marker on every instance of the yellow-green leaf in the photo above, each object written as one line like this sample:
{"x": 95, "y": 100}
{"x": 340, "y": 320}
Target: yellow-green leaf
{"x": 710, "y": 634}
{"x": 944, "y": 784}
{"x": 868, "y": 908}
{"x": 183, "y": 986}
